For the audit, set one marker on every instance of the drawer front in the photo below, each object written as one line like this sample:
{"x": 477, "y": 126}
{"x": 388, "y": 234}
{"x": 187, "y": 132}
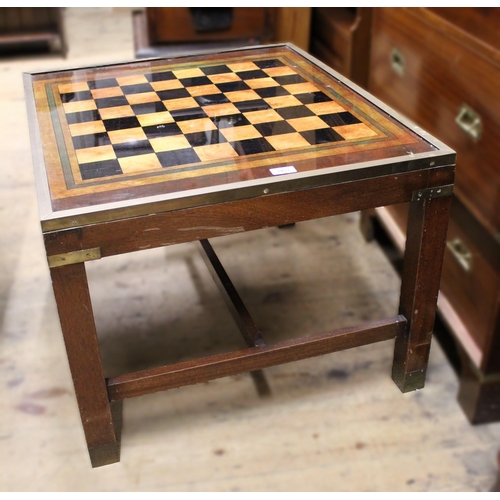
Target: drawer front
{"x": 481, "y": 22}
{"x": 176, "y": 24}
{"x": 470, "y": 282}
{"x": 426, "y": 72}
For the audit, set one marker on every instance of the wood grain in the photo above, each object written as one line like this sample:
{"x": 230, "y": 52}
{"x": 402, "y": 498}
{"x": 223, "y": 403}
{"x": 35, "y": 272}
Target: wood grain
{"x": 425, "y": 244}
{"x": 223, "y": 365}
{"x": 243, "y": 215}
{"x": 431, "y": 91}
{"x": 80, "y": 337}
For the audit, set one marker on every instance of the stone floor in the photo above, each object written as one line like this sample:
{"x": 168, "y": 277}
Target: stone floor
{"x": 334, "y": 423}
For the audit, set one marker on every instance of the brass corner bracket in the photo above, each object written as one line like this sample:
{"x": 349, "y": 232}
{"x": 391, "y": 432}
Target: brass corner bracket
{"x": 64, "y": 259}
{"x": 435, "y": 192}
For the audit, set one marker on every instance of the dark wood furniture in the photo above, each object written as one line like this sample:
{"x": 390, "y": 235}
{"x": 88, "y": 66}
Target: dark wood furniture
{"x": 496, "y": 486}
{"x": 440, "y": 67}
{"x": 165, "y": 151}
{"x": 25, "y": 29}
{"x": 340, "y": 37}
{"x": 162, "y": 31}
{"x": 183, "y": 24}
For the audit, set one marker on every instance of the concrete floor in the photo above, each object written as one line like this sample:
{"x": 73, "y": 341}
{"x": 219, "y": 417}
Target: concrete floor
{"x": 334, "y": 423}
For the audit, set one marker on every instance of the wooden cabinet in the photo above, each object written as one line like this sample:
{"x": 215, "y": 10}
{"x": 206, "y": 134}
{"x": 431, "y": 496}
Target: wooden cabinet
{"x": 340, "y": 37}
{"x": 31, "y": 29}
{"x": 440, "y": 67}
{"x": 184, "y": 24}
{"x": 182, "y": 30}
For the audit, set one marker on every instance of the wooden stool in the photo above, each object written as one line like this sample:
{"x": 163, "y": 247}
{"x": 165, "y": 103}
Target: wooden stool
{"x": 160, "y": 152}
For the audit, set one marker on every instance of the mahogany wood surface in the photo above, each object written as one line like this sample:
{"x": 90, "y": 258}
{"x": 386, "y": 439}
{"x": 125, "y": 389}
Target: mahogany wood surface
{"x": 223, "y": 365}
{"x": 240, "y": 313}
{"x": 21, "y": 26}
{"x": 473, "y": 292}
{"x": 481, "y": 22}
{"x": 21, "y": 20}
{"x": 451, "y": 57}
{"x": 176, "y": 24}
{"x": 237, "y": 308}
{"x": 82, "y": 347}
{"x": 341, "y": 38}
{"x": 198, "y": 223}
{"x": 431, "y": 91}
{"x": 426, "y": 238}
{"x": 496, "y": 486}
{"x": 478, "y": 395}
{"x": 479, "y": 389}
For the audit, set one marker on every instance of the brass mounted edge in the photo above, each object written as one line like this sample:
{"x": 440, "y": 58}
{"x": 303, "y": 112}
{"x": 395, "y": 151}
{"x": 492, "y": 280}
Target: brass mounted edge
{"x": 64, "y": 259}
{"x": 435, "y": 192}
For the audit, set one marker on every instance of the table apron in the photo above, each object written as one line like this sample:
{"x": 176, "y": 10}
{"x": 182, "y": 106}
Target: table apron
{"x": 204, "y": 222}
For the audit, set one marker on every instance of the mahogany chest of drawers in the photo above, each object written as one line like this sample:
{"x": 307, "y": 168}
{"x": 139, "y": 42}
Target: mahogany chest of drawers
{"x": 440, "y": 67}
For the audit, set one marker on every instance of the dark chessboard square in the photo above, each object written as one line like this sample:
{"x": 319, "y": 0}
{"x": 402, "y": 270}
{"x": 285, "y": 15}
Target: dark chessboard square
{"x": 178, "y": 157}
{"x": 110, "y": 102}
{"x": 216, "y": 70}
{"x": 195, "y": 81}
{"x": 121, "y": 123}
{"x": 97, "y": 169}
{"x": 254, "y": 105}
{"x": 160, "y": 77}
{"x": 207, "y": 100}
{"x": 339, "y": 119}
{"x": 294, "y": 112}
{"x": 187, "y": 114}
{"x": 236, "y": 120}
{"x": 83, "y": 95}
{"x": 251, "y": 74}
{"x": 137, "y": 88}
{"x": 232, "y": 86}
{"x": 312, "y": 97}
{"x": 252, "y": 146}
{"x": 102, "y": 84}
{"x": 271, "y": 92}
{"x": 205, "y": 138}
{"x": 162, "y": 130}
{"x": 132, "y": 148}
{"x": 91, "y": 140}
{"x": 274, "y": 128}
{"x": 269, "y": 63}
{"x": 289, "y": 79}
{"x": 83, "y": 116}
{"x": 321, "y": 136}
{"x": 166, "y": 95}
{"x": 148, "y": 107}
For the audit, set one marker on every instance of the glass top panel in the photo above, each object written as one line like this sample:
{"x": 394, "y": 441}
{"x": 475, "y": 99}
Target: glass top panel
{"x": 169, "y": 126}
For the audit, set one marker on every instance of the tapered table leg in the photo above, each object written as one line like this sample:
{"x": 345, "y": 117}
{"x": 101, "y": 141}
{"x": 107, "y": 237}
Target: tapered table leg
{"x": 78, "y": 327}
{"x": 425, "y": 246}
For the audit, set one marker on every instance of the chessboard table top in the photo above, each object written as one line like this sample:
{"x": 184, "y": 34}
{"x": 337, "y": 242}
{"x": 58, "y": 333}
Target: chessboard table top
{"x": 117, "y": 140}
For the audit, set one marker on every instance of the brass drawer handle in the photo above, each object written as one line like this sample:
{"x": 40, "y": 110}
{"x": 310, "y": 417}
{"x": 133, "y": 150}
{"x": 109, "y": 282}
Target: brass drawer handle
{"x": 397, "y": 61}
{"x": 470, "y": 122}
{"x": 461, "y": 253}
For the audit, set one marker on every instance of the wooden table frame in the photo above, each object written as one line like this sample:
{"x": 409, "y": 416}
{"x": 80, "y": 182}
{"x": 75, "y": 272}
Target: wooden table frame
{"x": 426, "y": 181}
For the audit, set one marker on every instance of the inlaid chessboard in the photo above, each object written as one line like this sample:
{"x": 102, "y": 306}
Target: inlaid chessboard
{"x": 176, "y": 119}
{"x": 168, "y": 127}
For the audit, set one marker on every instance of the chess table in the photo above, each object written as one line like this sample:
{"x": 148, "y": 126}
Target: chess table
{"x": 155, "y": 152}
